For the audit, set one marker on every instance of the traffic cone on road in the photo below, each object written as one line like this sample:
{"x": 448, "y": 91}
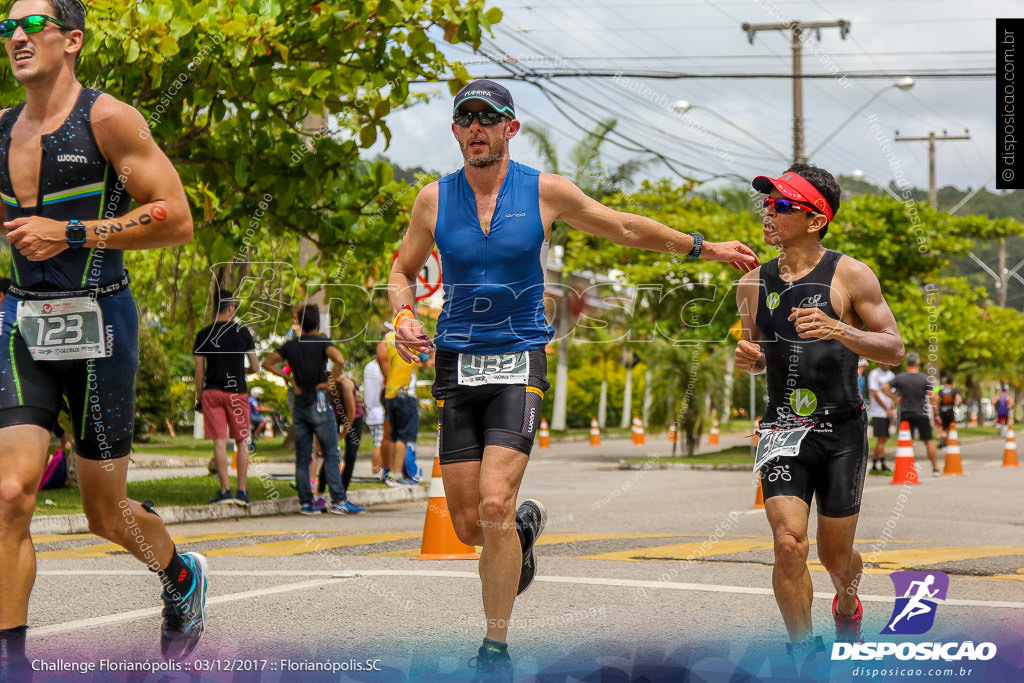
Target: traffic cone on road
{"x": 713, "y": 436}
{"x": 953, "y": 467}
{"x": 545, "y": 436}
{"x": 672, "y": 435}
{"x": 595, "y": 432}
{"x": 974, "y": 418}
{"x": 638, "y": 431}
{"x": 1010, "y": 454}
{"x": 268, "y": 431}
{"x": 439, "y": 539}
{"x": 906, "y": 468}
{"x": 759, "y": 498}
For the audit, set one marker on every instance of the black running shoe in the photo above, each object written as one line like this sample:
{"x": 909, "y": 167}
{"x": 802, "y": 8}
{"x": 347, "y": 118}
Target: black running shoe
{"x": 492, "y": 664}
{"x": 530, "y": 520}
{"x": 185, "y": 617}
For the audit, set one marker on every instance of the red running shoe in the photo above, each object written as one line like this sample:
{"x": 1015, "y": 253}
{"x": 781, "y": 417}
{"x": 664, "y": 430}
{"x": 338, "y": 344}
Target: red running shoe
{"x": 848, "y": 626}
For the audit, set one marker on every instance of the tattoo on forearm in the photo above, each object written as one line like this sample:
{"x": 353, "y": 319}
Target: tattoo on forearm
{"x": 107, "y": 227}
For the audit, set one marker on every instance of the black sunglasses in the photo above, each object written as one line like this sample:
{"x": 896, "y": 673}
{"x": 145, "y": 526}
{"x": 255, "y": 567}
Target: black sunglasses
{"x": 33, "y": 23}
{"x": 464, "y": 119}
{"x": 785, "y": 206}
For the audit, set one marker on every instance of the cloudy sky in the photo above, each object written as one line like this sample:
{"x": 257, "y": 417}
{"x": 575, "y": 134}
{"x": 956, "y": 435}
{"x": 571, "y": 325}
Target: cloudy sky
{"x": 739, "y": 126}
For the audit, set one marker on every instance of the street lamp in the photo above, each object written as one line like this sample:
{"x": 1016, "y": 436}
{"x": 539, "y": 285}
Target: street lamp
{"x": 905, "y": 83}
{"x": 682, "y": 106}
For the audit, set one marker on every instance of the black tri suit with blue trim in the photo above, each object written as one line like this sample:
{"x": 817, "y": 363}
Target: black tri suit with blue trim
{"x": 76, "y": 182}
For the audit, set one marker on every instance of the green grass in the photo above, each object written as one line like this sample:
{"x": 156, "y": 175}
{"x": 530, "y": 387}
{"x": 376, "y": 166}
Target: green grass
{"x": 737, "y": 455}
{"x": 186, "y": 446}
{"x": 987, "y": 431}
{"x": 174, "y": 492}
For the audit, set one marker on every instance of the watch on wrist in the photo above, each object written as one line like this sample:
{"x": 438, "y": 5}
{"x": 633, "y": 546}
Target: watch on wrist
{"x": 74, "y": 234}
{"x": 698, "y": 242}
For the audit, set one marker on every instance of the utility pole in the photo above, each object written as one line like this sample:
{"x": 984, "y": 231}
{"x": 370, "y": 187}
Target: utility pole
{"x": 933, "y": 193}
{"x": 797, "y": 28}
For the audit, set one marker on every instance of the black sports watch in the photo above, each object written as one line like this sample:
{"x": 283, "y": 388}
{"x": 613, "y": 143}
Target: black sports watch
{"x": 74, "y": 233}
{"x": 698, "y": 242}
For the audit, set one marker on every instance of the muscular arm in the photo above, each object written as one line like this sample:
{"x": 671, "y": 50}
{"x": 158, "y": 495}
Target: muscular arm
{"x": 254, "y": 363}
{"x": 272, "y": 364}
{"x": 748, "y": 356}
{"x": 412, "y": 254}
{"x": 200, "y": 374}
{"x": 162, "y": 218}
{"x": 880, "y": 341}
{"x": 560, "y": 198}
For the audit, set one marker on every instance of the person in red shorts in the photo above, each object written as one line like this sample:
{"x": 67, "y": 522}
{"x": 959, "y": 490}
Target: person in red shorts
{"x": 220, "y": 353}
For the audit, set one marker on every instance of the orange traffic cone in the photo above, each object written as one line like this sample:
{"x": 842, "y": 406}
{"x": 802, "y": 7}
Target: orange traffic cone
{"x": 268, "y": 431}
{"x": 595, "y": 432}
{"x": 974, "y": 418}
{"x": 759, "y": 499}
{"x": 545, "y": 436}
{"x": 638, "y": 431}
{"x": 906, "y": 468}
{"x": 713, "y": 436}
{"x": 673, "y": 436}
{"x": 954, "y": 467}
{"x": 439, "y": 539}
{"x": 1010, "y": 454}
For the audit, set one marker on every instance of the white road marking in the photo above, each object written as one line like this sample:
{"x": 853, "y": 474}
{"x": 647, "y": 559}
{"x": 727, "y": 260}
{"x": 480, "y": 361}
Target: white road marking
{"x": 330, "y": 577}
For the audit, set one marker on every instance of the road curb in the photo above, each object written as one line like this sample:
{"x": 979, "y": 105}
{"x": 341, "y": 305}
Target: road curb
{"x": 78, "y": 524}
{"x": 623, "y": 465}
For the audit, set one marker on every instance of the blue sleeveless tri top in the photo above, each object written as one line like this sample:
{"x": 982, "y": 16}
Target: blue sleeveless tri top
{"x": 494, "y": 283}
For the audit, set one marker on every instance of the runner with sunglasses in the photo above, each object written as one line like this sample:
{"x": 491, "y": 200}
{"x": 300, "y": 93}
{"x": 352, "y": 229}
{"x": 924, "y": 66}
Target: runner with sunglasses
{"x": 491, "y": 222}
{"x": 807, "y": 317}
{"x": 69, "y": 325}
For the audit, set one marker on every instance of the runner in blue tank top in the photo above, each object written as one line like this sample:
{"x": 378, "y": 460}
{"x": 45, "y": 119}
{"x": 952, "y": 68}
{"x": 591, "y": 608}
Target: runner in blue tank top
{"x": 491, "y": 222}
{"x": 807, "y": 317}
{"x": 71, "y": 162}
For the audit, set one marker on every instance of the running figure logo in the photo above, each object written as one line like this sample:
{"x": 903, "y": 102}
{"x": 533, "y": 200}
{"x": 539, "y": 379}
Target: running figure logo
{"x": 914, "y": 613}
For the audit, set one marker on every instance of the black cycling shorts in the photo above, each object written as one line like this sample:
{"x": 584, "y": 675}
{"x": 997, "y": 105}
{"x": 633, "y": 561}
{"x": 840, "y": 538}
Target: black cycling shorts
{"x": 880, "y": 425}
{"x": 948, "y": 417}
{"x": 919, "y": 425}
{"x": 473, "y": 417}
{"x": 100, "y": 391}
{"x": 830, "y": 467}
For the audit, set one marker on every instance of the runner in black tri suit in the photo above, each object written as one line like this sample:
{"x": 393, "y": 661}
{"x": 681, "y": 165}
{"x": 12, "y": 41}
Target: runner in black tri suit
{"x": 72, "y": 160}
{"x": 807, "y": 316}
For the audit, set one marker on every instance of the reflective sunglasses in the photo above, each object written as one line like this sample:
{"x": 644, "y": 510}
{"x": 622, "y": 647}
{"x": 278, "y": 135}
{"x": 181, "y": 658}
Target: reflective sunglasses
{"x": 33, "y": 23}
{"x": 487, "y": 117}
{"x": 785, "y": 206}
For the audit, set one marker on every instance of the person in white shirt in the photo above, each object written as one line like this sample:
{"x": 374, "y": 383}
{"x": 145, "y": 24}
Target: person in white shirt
{"x": 881, "y": 410}
{"x": 373, "y": 382}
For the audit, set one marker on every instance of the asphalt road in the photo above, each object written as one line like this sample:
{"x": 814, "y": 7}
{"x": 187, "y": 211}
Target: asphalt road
{"x": 646, "y": 572}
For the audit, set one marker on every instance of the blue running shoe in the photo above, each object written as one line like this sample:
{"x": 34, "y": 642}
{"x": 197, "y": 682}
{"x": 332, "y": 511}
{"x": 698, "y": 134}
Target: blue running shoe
{"x": 185, "y": 617}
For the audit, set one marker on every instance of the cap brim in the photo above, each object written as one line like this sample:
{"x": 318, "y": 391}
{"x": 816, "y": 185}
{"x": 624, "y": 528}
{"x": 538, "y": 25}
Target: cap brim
{"x": 765, "y": 184}
{"x": 501, "y": 110}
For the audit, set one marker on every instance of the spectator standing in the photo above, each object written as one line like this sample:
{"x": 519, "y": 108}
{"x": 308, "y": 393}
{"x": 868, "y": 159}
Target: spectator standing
{"x": 307, "y": 356}
{"x": 220, "y": 352}
{"x": 1001, "y": 402}
{"x": 881, "y": 411}
{"x": 373, "y": 388}
{"x": 916, "y": 395}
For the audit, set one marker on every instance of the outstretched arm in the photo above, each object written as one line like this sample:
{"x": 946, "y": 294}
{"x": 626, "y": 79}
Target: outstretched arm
{"x": 560, "y": 198}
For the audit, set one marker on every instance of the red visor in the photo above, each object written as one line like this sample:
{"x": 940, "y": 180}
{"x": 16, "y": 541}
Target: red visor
{"x": 796, "y": 188}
